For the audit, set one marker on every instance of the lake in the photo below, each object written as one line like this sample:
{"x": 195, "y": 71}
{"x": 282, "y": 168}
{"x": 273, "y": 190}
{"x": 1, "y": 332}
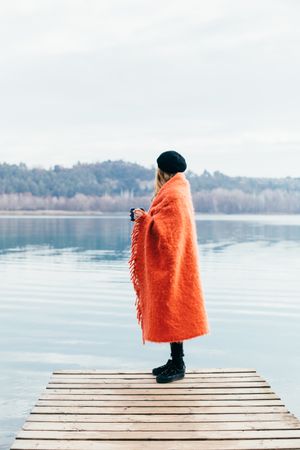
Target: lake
{"x": 67, "y": 302}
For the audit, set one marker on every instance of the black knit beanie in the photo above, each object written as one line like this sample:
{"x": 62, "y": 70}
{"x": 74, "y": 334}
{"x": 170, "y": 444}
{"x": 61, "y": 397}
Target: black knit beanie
{"x": 171, "y": 162}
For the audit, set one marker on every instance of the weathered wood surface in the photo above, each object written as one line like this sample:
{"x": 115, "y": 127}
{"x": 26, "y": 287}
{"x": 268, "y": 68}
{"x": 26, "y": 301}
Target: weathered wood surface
{"x": 209, "y": 409}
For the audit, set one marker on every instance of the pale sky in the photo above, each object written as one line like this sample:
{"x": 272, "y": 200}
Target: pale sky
{"x": 90, "y": 80}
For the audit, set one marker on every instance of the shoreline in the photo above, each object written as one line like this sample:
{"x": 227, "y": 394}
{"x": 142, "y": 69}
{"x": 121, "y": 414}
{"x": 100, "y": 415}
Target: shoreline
{"x": 52, "y": 212}
{"x": 61, "y": 212}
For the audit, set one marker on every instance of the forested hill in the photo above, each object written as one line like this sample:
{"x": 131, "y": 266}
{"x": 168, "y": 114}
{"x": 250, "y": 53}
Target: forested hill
{"x": 120, "y": 177}
{"x": 118, "y": 185}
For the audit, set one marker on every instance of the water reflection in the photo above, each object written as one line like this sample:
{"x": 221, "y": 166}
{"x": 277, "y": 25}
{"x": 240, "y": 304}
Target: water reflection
{"x": 112, "y": 233}
{"x": 67, "y": 302}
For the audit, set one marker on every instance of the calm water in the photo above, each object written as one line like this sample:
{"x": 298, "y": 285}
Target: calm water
{"x": 67, "y": 302}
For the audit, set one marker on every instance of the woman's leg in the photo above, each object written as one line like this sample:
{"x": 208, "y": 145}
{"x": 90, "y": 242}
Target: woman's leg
{"x": 177, "y": 353}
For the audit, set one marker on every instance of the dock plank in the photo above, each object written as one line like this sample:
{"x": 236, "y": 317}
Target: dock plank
{"x": 248, "y": 444}
{"x": 210, "y": 408}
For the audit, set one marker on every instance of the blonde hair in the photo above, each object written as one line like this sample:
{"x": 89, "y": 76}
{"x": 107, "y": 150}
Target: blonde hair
{"x": 161, "y": 178}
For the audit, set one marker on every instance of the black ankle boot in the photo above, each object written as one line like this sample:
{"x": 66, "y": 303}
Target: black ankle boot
{"x": 160, "y": 369}
{"x": 176, "y": 359}
{"x": 172, "y": 373}
{"x": 176, "y": 369}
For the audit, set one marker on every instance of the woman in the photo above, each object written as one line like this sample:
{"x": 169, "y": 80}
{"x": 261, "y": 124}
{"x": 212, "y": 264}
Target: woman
{"x": 164, "y": 266}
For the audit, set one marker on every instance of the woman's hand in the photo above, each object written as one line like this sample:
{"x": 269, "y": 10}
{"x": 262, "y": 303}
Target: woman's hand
{"x": 138, "y": 213}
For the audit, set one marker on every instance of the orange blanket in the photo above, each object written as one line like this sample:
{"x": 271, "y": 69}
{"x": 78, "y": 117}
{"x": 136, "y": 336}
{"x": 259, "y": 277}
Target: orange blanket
{"x": 164, "y": 267}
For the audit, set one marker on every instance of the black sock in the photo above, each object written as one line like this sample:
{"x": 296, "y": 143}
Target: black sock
{"x": 177, "y": 353}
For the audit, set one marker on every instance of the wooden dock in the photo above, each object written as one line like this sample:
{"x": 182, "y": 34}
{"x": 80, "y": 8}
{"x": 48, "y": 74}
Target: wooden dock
{"x": 209, "y": 409}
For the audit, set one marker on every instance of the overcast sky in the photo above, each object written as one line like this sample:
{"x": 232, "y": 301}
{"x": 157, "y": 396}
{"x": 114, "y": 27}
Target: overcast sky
{"x": 90, "y": 80}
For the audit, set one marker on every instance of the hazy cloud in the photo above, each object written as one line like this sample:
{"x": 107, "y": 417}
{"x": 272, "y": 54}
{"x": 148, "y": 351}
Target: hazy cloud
{"x": 91, "y": 80}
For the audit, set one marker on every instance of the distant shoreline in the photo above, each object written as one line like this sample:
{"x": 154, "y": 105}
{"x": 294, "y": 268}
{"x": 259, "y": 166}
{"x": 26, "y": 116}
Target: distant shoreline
{"x": 50, "y": 212}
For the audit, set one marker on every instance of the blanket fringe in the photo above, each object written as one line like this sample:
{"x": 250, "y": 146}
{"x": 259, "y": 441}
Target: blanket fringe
{"x": 133, "y": 264}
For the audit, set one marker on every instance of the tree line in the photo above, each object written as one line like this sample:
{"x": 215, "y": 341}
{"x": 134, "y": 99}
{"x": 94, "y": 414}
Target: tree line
{"x": 119, "y": 185}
